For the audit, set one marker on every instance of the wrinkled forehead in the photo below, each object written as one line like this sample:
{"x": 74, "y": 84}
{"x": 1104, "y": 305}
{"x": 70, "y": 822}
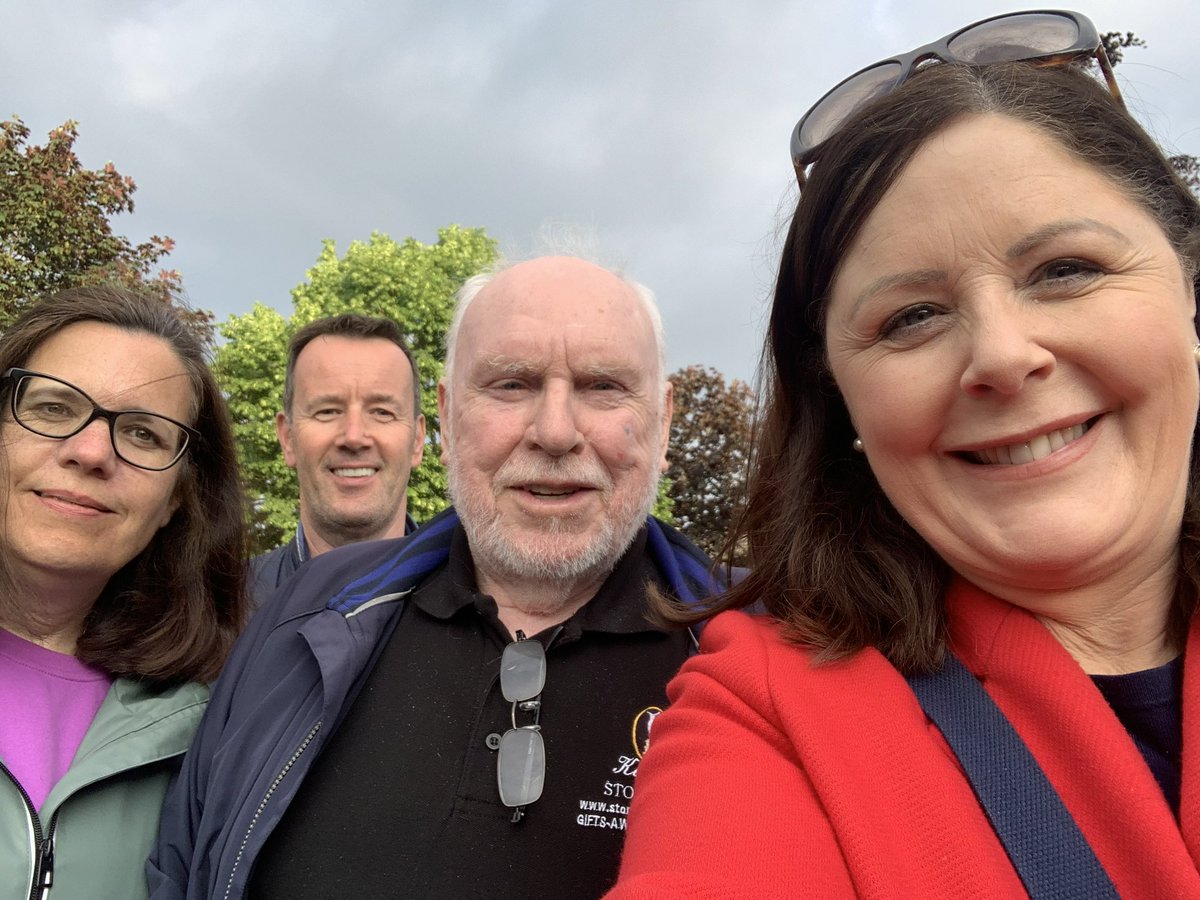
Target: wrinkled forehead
{"x": 332, "y": 362}
{"x": 533, "y": 348}
{"x": 593, "y": 326}
{"x": 119, "y": 368}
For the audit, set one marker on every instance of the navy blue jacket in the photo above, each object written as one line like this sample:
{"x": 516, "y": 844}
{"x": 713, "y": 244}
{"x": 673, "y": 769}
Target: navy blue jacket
{"x": 291, "y": 678}
{"x": 271, "y": 569}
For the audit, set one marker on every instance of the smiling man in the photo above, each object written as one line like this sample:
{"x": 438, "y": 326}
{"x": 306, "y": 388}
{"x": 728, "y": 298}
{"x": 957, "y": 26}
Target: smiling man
{"x": 462, "y": 714}
{"x": 352, "y": 428}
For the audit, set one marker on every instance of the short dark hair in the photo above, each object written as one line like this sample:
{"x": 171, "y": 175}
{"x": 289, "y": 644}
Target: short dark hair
{"x": 351, "y": 325}
{"x": 831, "y": 556}
{"x": 171, "y": 614}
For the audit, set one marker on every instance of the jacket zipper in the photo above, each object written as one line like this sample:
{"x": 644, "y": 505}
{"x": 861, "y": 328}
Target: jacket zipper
{"x": 287, "y": 767}
{"x": 41, "y": 884}
{"x": 43, "y": 844}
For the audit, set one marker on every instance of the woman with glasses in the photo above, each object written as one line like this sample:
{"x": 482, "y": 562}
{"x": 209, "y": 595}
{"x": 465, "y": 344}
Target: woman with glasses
{"x": 974, "y": 512}
{"x": 121, "y": 570}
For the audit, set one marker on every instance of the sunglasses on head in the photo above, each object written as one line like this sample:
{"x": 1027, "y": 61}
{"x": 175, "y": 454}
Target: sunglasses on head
{"x": 1043, "y": 37}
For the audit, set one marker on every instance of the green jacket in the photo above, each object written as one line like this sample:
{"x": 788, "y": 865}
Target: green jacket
{"x": 101, "y": 819}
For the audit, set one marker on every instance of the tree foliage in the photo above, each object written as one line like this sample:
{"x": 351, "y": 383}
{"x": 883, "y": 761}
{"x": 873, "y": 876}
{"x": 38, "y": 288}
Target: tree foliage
{"x": 410, "y": 282}
{"x": 664, "y": 506}
{"x": 710, "y": 441}
{"x": 55, "y": 231}
{"x": 1115, "y": 43}
{"x": 1188, "y": 168}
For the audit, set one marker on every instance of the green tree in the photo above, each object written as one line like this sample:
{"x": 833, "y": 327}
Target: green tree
{"x": 410, "y": 282}
{"x": 55, "y": 231}
{"x": 710, "y": 440}
{"x": 664, "y": 506}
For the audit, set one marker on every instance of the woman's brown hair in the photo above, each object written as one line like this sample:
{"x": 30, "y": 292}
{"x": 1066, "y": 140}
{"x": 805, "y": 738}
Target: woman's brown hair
{"x": 830, "y": 555}
{"x": 170, "y": 614}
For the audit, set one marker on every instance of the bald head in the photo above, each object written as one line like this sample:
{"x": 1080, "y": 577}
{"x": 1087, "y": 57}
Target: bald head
{"x": 566, "y": 277}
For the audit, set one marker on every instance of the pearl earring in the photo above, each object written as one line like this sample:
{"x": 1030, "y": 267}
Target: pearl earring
{"x": 859, "y": 447}
{"x": 1196, "y": 352}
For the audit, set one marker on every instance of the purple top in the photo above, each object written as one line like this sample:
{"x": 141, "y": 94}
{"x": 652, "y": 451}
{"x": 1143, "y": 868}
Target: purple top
{"x": 50, "y": 699}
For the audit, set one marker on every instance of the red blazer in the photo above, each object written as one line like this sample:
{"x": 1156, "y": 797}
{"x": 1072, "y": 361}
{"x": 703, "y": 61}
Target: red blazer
{"x": 772, "y": 777}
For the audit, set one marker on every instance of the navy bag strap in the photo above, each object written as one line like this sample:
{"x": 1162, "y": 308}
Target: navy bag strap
{"x": 1049, "y": 852}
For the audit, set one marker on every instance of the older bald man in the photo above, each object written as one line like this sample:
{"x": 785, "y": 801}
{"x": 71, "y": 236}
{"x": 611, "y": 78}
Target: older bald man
{"x": 461, "y": 713}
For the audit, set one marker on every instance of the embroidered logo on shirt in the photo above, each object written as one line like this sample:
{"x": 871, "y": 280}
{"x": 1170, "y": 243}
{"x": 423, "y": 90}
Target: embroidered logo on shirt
{"x": 642, "y": 723}
{"x": 610, "y": 808}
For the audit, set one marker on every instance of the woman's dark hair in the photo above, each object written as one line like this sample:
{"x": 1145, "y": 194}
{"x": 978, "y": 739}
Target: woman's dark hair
{"x": 170, "y": 614}
{"x": 831, "y": 556}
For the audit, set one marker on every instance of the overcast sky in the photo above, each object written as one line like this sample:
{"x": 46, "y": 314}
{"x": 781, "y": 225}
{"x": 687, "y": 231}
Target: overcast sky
{"x": 255, "y": 129}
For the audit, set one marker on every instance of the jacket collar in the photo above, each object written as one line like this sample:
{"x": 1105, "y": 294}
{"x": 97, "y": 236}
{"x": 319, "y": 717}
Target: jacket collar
{"x": 135, "y": 726}
{"x": 684, "y": 567}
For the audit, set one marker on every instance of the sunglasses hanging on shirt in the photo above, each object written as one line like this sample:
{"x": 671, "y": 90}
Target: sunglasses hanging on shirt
{"x": 521, "y": 760}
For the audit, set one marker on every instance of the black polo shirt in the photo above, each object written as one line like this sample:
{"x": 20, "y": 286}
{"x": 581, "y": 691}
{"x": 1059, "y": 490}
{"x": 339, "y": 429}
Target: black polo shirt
{"x": 403, "y": 801}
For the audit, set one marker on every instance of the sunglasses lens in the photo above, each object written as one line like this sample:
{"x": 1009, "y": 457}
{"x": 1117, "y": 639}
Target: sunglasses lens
{"x": 521, "y": 766}
{"x": 832, "y": 109}
{"x": 1017, "y": 37}
{"x": 522, "y": 671}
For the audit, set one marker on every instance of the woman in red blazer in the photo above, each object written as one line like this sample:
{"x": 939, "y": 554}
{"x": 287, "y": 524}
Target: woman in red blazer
{"x": 977, "y": 445}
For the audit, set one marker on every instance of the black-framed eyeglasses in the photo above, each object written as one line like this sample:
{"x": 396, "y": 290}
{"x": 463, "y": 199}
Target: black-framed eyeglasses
{"x": 521, "y": 760}
{"x": 54, "y": 408}
{"x": 1044, "y": 37}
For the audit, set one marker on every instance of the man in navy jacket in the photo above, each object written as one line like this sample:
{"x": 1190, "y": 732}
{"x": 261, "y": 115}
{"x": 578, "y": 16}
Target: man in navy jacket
{"x": 352, "y": 428}
{"x": 387, "y": 726}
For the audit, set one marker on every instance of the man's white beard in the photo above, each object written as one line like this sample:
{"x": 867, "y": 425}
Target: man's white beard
{"x": 553, "y": 555}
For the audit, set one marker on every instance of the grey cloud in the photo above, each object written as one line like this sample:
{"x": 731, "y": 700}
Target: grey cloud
{"x": 256, "y": 129}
